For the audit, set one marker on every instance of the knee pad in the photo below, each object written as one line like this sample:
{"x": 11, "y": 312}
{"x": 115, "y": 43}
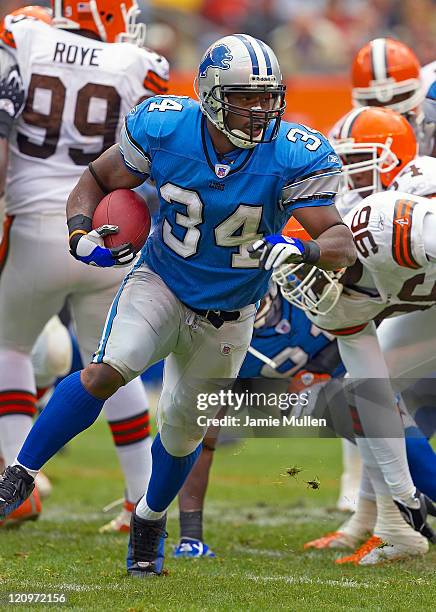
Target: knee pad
{"x": 179, "y": 441}
{"x": 52, "y": 353}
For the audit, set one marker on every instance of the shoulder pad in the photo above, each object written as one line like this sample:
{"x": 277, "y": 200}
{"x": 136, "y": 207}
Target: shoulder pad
{"x": 418, "y": 177}
{"x": 305, "y": 150}
{"x": 160, "y": 116}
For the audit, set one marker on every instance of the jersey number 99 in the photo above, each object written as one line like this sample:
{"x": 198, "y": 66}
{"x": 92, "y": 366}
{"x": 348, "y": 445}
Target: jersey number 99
{"x": 52, "y": 121}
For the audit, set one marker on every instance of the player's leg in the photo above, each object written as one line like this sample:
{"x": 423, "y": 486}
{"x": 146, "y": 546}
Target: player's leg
{"x": 126, "y": 410}
{"x": 393, "y": 538}
{"x": 204, "y": 358}
{"x": 191, "y": 500}
{"x": 349, "y": 487}
{"x": 382, "y": 436}
{"x": 29, "y": 295}
{"x": 141, "y": 328}
{"x": 384, "y": 458}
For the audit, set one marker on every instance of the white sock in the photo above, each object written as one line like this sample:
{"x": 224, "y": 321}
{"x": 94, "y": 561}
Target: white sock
{"x": 350, "y": 478}
{"x": 366, "y": 488}
{"x": 389, "y": 455}
{"x": 14, "y": 429}
{"x": 144, "y": 512}
{"x": 135, "y": 461}
{"x": 390, "y": 525}
{"x": 363, "y": 520}
{"x": 32, "y": 473}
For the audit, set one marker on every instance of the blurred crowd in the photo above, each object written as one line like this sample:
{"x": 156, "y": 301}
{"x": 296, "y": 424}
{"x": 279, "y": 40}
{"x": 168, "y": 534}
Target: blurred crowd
{"x": 309, "y": 36}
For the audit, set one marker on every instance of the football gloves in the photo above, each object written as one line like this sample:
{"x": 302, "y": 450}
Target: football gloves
{"x": 417, "y": 517}
{"x": 275, "y": 250}
{"x": 89, "y": 248}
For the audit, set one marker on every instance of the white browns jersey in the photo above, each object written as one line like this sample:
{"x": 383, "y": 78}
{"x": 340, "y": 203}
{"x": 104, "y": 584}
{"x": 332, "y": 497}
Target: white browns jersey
{"x": 346, "y": 201}
{"x": 417, "y": 177}
{"x": 428, "y": 75}
{"x": 78, "y": 91}
{"x": 396, "y": 275}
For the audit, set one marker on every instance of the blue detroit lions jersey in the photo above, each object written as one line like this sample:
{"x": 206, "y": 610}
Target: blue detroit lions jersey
{"x": 211, "y": 209}
{"x": 292, "y": 341}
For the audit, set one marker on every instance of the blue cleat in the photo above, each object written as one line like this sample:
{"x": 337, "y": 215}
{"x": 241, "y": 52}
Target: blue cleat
{"x": 192, "y": 549}
{"x": 15, "y": 487}
{"x": 145, "y": 554}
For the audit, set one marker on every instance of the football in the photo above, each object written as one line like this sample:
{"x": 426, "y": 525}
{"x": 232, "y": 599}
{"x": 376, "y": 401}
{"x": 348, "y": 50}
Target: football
{"x": 125, "y": 208}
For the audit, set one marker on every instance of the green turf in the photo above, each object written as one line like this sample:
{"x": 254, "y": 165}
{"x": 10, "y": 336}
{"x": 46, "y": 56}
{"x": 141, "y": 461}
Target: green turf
{"x": 257, "y": 518}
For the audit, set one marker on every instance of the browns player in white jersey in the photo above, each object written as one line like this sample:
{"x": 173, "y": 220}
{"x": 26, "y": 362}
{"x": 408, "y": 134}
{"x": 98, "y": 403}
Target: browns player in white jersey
{"x": 81, "y": 74}
{"x": 384, "y": 72}
{"x": 395, "y": 274}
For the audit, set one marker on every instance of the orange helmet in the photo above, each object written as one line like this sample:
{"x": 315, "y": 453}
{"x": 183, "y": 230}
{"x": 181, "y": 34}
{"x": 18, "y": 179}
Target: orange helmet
{"x": 385, "y": 72}
{"x": 307, "y": 287}
{"x": 386, "y": 140}
{"x": 36, "y": 12}
{"x": 111, "y": 20}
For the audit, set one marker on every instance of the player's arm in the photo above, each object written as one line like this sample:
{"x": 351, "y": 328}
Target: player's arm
{"x": 124, "y": 166}
{"x": 331, "y": 249}
{"x": 104, "y": 175}
{"x": 331, "y": 236}
{"x": 312, "y": 180}
{"x": 11, "y": 104}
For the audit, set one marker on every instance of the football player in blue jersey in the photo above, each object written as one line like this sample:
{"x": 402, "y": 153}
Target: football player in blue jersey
{"x": 229, "y": 173}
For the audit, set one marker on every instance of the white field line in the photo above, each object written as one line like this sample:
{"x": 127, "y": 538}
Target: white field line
{"x": 345, "y": 583}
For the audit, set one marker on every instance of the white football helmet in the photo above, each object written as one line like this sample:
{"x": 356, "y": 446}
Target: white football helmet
{"x": 239, "y": 64}
{"x": 307, "y": 287}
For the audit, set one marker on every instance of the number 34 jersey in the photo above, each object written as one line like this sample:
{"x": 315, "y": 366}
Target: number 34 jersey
{"x": 211, "y": 209}
{"x": 78, "y": 89}
{"x": 397, "y": 276}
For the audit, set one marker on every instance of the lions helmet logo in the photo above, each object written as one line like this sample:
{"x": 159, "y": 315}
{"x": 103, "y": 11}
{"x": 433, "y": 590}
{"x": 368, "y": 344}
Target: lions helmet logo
{"x": 217, "y": 57}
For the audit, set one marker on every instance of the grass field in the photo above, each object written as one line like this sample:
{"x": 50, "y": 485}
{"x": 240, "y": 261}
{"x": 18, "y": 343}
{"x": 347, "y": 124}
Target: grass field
{"x": 257, "y": 519}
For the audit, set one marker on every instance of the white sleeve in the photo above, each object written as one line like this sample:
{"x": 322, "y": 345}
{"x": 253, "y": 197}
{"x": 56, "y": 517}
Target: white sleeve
{"x": 429, "y": 236}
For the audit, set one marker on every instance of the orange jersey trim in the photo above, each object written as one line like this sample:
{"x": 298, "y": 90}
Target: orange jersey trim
{"x": 402, "y": 234}
{"x": 155, "y": 83}
{"x": 8, "y": 38}
{"x": 346, "y": 331}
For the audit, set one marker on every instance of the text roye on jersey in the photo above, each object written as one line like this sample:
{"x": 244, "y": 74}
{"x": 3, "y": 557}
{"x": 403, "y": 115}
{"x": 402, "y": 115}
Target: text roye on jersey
{"x": 75, "y": 54}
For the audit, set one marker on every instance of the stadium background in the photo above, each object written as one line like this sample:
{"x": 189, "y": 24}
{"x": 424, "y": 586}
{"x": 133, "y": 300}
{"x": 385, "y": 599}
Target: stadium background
{"x": 257, "y": 517}
{"x": 315, "y": 40}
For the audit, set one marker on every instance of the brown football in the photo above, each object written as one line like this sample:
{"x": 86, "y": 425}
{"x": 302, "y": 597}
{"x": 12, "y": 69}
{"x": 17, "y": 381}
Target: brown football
{"x": 125, "y": 208}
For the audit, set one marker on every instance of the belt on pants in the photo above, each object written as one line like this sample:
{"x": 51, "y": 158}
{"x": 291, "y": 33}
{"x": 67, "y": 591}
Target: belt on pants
{"x": 216, "y": 317}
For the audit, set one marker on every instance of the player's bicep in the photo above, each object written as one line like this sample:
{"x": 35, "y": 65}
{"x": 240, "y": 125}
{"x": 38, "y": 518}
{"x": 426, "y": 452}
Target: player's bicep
{"x": 315, "y": 222}
{"x": 112, "y": 171}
